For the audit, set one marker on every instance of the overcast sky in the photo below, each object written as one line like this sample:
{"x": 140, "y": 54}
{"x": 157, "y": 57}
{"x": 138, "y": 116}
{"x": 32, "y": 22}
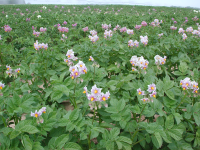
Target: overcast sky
{"x": 183, "y": 3}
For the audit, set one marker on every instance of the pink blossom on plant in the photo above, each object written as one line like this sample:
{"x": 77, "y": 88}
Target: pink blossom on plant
{"x": 144, "y": 23}
{"x": 151, "y": 88}
{"x": 85, "y": 29}
{"x": 137, "y": 27}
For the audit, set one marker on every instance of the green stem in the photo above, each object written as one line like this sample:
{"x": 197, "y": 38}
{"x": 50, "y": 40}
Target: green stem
{"x": 4, "y": 122}
{"x": 75, "y": 105}
{"x": 94, "y": 74}
{"x": 193, "y": 101}
{"x": 89, "y": 142}
{"x": 94, "y": 115}
{"x": 181, "y": 101}
{"x": 139, "y": 141}
{"x": 141, "y": 113}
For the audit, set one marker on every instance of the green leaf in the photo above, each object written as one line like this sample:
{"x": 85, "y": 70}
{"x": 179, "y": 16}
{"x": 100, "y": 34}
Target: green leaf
{"x": 114, "y": 132}
{"x": 176, "y": 134}
{"x": 72, "y": 146}
{"x": 61, "y": 140}
{"x": 170, "y": 94}
{"x": 74, "y": 115}
{"x": 37, "y": 146}
{"x": 158, "y": 139}
{"x": 115, "y": 117}
{"x": 25, "y": 87}
{"x": 14, "y": 134}
{"x": 197, "y": 118}
{"x": 125, "y": 139}
{"x": 27, "y": 142}
{"x": 178, "y": 117}
{"x": 30, "y": 129}
{"x": 169, "y": 122}
{"x": 56, "y": 95}
{"x": 120, "y": 105}
{"x": 183, "y": 67}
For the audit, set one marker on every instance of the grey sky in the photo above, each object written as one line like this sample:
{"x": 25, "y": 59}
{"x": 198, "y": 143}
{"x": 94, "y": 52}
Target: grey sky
{"x": 183, "y": 3}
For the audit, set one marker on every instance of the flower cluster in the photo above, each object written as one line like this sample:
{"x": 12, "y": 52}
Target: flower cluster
{"x": 105, "y": 26}
{"x": 144, "y": 23}
{"x": 37, "y": 114}
{"x": 28, "y": 19}
{"x": 107, "y": 33}
{"x": 124, "y": 29}
{"x": 137, "y": 27}
{"x": 188, "y": 84}
{"x": 173, "y": 27}
{"x": 139, "y": 61}
{"x": 85, "y": 29}
{"x": 38, "y": 46}
{"x": 130, "y": 32}
{"x": 96, "y": 94}
{"x": 70, "y": 56}
{"x": 117, "y": 27}
{"x": 144, "y": 40}
{"x": 195, "y": 18}
{"x": 152, "y": 93}
{"x": 181, "y": 30}
{"x": 65, "y": 22}
{"x": 36, "y": 33}
{"x": 131, "y": 43}
{"x": 159, "y": 60}
{"x": 156, "y": 23}
{"x": 91, "y": 58}
{"x": 77, "y": 70}
{"x": 2, "y": 85}
{"x": 160, "y": 35}
{"x": 43, "y": 29}
{"x": 184, "y": 36}
{"x": 74, "y": 25}
{"x": 11, "y": 72}
{"x": 93, "y": 32}
{"x": 63, "y": 29}
{"x": 94, "y": 36}
{"x": 7, "y": 28}
{"x": 189, "y": 29}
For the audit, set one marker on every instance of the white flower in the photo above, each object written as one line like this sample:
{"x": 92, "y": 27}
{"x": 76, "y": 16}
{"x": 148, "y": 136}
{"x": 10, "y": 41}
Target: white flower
{"x": 44, "y": 7}
{"x": 39, "y": 16}
{"x": 6, "y": 16}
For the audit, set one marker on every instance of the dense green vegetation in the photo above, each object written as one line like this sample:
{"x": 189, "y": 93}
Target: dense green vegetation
{"x": 144, "y": 93}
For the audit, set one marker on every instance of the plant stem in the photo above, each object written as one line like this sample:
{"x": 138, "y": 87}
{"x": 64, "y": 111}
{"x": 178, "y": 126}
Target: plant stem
{"x": 75, "y": 105}
{"x": 94, "y": 74}
{"x": 139, "y": 141}
{"x": 94, "y": 115}
{"x": 89, "y": 142}
{"x": 181, "y": 102}
{"x": 141, "y": 113}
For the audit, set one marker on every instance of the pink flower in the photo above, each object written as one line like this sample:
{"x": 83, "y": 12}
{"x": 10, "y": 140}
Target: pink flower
{"x": 91, "y": 58}
{"x": 144, "y": 23}
{"x": 85, "y": 29}
{"x": 151, "y": 87}
{"x": 140, "y": 92}
{"x": 64, "y": 22}
{"x": 95, "y": 91}
{"x": 36, "y": 114}
{"x": 137, "y": 27}
{"x": 74, "y": 25}
{"x": 153, "y": 94}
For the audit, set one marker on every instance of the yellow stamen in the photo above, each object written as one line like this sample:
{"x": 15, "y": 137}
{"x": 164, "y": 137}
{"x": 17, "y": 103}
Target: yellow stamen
{"x": 104, "y": 98}
{"x": 154, "y": 96}
{"x": 152, "y": 88}
{"x": 183, "y": 88}
{"x": 8, "y": 68}
{"x": 68, "y": 56}
{"x": 95, "y": 91}
{"x": 197, "y": 87}
{"x": 84, "y": 91}
{"x": 81, "y": 65}
{"x": 140, "y": 93}
{"x": 181, "y": 83}
{"x": 76, "y": 73}
{"x": 133, "y": 65}
{"x": 187, "y": 84}
{"x": 44, "y": 112}
{"x": 0, "y": 87}
{"x": 144, "y": 100}
{"x": 92, "y": 99}
{"x": 66, "y": 61}
{"x": 85, "y": 71}
{"x": 36, "y": 115}
{"x": 144, "y": 68}
{"x": 146, "y": 64}
{"x": 89, "y": 59}
{"x": 196, "y": 91}
{"x": 162, "y": 62}
{"x": 72, "y": 77}
{"x": 18, "y": 71}
{"x": 73, "y": 70}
